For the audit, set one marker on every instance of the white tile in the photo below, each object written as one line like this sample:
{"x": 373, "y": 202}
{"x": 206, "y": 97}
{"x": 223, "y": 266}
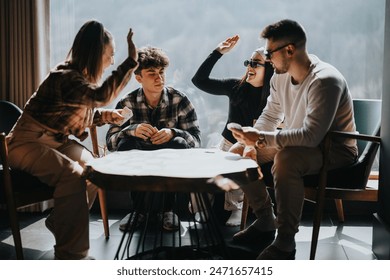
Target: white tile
{"x": 325, "y": 251}
{"x": 35, "y": 236}
{"x": 356, "y": 234}
{"x": 358, "y": 251}
{"x": 327, "y": 234}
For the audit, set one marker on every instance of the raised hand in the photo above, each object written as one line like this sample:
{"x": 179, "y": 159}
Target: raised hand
{"x": 228, "y": 44}
{"x": 131, "y": 46}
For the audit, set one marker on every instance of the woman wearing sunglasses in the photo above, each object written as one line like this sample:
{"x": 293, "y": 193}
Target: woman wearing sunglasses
{"x": 247, "y": 98}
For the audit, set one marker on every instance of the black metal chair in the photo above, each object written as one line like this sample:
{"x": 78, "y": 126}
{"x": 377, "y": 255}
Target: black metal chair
{"x": 19, "y": 188}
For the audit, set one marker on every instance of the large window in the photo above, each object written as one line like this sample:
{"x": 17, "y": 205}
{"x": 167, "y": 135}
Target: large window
{"x": 345, "y": 33}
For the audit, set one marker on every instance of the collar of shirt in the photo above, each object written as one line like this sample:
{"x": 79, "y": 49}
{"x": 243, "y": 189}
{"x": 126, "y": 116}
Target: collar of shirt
{"x": 164, "y": 100}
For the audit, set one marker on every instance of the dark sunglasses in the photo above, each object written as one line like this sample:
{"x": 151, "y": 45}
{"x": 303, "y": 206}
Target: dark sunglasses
{"x": 253, "y": 64}
{"x": 268, "y": 54}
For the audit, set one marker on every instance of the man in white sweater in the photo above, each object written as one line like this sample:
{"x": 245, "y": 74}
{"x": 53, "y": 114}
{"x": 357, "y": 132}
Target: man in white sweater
{"x": 311, "y": 97}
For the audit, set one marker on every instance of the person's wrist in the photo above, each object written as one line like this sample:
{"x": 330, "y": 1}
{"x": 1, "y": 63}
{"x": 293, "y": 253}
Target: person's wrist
{"x": 218, "y": 49}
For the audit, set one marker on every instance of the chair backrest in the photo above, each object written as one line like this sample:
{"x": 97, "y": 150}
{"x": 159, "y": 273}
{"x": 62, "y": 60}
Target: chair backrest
{"x": 9, "y": 114}
{"x": 368, "y": 120}
{"x": 17, "y": 188}
{"x": 27, "y": 188}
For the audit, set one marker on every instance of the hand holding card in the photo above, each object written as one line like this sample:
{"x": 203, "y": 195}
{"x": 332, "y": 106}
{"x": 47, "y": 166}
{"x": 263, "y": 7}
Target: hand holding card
{"x": 127, "y": 113}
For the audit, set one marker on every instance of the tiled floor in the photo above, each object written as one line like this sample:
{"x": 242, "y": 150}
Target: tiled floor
{"x": 348, "y": 241}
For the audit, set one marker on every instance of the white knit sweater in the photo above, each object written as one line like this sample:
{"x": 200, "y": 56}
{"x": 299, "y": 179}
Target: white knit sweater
{"x": 322, "y": 102}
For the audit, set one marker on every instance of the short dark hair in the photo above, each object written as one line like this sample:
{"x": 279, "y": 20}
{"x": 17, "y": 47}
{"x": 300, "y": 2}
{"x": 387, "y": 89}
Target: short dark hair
{"x": 286, "y": 30}
{"x": 151, "y": 57}
{"x": 88, "y": 48}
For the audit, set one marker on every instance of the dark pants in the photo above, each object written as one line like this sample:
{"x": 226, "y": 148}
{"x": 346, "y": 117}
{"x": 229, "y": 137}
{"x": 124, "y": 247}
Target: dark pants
{"x": 135, "y": 143}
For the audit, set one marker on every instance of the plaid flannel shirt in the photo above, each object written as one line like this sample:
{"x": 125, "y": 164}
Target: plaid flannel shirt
{"x": 175, "y": 111}
{"x": 66, "y": 101}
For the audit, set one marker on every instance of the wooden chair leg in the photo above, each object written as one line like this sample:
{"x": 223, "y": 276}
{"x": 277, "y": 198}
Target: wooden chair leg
{"x": 320, "y": 199}
{"x": 16, "y": 233}
{"x": 319, "y": 210}
{"x": 244, "y": 215}
{"x": 340, "y": 209}
{"x": 103, "y": 210}
{"x": 13, "y": 215}
{"x": 315, "y": 234}
{"x": 317, "y": 223}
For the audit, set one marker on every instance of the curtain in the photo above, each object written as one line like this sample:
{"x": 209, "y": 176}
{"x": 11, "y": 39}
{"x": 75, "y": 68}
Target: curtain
{"x": 25, "y": 54}
{"x": 25, "y": 47}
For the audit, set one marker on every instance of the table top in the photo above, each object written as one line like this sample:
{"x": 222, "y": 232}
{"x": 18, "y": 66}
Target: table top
{"x": 169, "y": 169}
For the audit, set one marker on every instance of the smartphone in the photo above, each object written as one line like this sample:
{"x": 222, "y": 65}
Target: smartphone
{"x": 234, "y": 125}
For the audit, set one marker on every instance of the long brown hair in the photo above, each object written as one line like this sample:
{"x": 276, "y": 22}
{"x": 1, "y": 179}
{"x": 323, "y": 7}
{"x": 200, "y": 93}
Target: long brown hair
{"x": 86, "y": 54}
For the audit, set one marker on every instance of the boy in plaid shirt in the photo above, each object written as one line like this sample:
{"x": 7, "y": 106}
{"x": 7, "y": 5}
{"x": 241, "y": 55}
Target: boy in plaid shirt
{"x": 162, "y": 118}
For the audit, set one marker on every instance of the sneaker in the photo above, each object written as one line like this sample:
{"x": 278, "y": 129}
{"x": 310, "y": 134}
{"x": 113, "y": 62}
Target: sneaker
{"x": 136, "y": 218}
{"x": 190, "y": 207}
{"x": 170, "y": 221}
{"x": 235, "y": 218}
{"x": 201, "y": 217}
{"x": 274, "y": 253}
{"x": 251, "y": 235}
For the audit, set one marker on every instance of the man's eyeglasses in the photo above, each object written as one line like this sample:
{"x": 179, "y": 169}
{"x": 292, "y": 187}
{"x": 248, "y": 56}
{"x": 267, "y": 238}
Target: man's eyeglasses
{"x": 253, "y": 64}
{"x": 268, "y": 54}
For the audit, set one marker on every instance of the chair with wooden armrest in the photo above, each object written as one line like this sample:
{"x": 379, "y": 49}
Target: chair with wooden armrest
{"x": 19, "y": 188}
{"x": 346, "y": 183}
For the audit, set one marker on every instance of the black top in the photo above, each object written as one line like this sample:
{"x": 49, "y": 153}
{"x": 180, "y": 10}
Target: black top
{"x": 246, "y": 102}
